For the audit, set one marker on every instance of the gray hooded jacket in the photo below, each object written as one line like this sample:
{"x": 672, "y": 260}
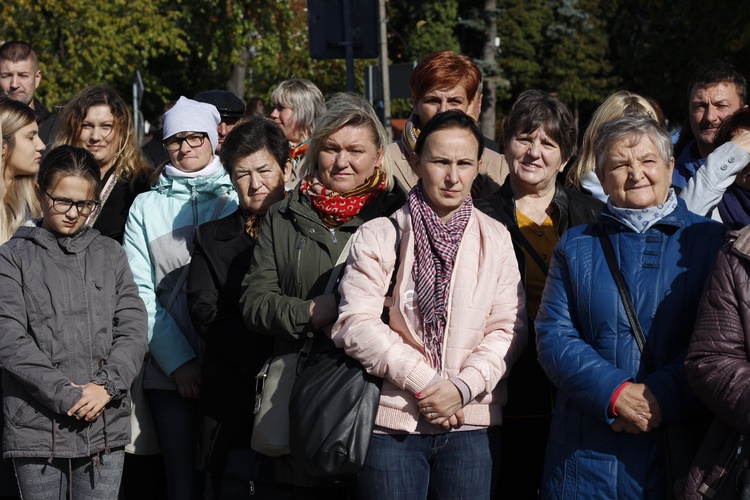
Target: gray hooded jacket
{"x": 69, "y": 313}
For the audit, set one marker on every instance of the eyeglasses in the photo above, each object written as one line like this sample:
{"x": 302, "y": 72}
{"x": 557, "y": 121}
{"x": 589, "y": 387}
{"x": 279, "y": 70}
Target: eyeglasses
{"x": 63, "y": 205}
{"x": 175, "y": 143}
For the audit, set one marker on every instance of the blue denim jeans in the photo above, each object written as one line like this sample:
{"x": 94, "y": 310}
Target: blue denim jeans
{"x": 176, "y": 422}
{"x": 456, "y": 465}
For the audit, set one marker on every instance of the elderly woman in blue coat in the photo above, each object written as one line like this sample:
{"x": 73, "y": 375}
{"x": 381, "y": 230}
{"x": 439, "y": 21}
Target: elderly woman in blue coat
{"x": 620, "y": 414}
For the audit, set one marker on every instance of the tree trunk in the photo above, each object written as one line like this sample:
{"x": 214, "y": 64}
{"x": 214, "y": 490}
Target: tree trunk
{"x": 236, "y": 83}
{"x": 488, "y": 116}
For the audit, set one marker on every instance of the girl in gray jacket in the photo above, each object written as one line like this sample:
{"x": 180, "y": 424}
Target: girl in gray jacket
{"x": 73, "y": 339}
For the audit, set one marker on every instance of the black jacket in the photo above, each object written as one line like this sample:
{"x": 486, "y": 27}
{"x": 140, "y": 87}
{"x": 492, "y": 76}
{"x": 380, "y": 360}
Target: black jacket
{"x": 48, "y": 125}
{"x": 114, "y": 213}
{"x": 529, "y": 391}
{"x": 234, "y": 354}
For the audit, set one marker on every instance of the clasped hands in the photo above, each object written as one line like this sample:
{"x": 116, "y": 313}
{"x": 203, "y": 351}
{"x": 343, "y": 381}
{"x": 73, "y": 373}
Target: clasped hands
{"x": 637, "y": 410}
{"x": 441, "y": 405}
{"x": 92, "y": 402}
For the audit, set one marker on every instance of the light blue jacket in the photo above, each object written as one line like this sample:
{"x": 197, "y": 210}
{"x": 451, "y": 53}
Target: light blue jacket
{"x": 158, "y": 242}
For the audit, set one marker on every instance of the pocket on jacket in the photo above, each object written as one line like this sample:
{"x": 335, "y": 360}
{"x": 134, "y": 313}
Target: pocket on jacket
{"x": 590, "y": 475}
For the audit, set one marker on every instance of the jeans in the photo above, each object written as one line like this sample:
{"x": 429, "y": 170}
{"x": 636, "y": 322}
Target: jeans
{"x": 39, "y": 480}
{"x": 176, "y": 422}
{"x": 456, "y": 465}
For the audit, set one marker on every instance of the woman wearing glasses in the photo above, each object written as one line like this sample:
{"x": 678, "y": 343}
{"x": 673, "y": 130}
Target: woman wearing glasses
{"x": 98, "y": 120}
{"x": 73, "y": 340}
{"x": 192, "y": 188}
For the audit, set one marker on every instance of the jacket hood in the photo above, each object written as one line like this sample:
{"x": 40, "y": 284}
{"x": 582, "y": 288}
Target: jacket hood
{"x": 212, "y": 185}
{"x": 76, "y": 243}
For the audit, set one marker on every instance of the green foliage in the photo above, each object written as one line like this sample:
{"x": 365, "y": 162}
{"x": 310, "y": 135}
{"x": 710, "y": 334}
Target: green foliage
{"x": 579, "y": 69}
{"x": 84, "y": 42}
{"x": 422, "y": 27}
{"x": 583, "y": 49}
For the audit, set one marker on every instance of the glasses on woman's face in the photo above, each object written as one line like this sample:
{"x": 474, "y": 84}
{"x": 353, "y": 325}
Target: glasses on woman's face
{"x": 174, "y": 143}
{"x": 63, "y": 205}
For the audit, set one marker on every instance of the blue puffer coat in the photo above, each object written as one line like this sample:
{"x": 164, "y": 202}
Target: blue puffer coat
{"x": 587, "y": 350}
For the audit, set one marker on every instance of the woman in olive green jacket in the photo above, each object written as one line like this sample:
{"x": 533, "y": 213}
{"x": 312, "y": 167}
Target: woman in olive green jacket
{"x": 346, "y": 181}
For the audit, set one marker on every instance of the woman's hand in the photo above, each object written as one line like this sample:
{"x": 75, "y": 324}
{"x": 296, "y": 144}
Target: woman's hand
{"x": 323, "y": 310}
{"x": 637, "y": 410}
{"x": 92, "y": 402}
{"x": 441, "y": 404}
{"x": 188, "y": 379}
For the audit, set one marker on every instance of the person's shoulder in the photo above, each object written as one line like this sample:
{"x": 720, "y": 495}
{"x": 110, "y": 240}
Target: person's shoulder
{"x": 488, "y": 225}
{"x": 582, "y": 199}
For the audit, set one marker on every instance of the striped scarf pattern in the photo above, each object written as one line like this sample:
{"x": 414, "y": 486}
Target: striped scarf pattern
{"x": 435, "y": 248}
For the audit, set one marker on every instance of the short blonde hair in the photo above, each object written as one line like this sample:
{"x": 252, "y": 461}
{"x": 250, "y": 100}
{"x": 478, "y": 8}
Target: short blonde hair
{"x": 618, "y": 104}
{"x": 304, "y": 99}
{"x": 347, "y": 110}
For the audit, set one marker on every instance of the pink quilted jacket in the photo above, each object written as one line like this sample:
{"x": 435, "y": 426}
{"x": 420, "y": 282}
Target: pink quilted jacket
{"x": 486, "y": 326}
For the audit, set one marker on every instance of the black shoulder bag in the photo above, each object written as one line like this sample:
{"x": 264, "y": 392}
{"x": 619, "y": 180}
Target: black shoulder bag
{"x": 332, "y": 409}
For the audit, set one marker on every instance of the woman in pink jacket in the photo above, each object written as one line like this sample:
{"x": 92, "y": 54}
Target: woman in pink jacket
{"x": 456, "y": 324}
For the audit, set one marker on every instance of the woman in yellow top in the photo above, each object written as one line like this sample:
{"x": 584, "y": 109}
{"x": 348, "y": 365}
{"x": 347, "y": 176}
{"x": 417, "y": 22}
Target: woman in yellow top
{"x": 540, "y": 139}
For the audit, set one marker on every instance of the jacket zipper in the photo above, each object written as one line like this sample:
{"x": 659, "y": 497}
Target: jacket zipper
{"x": 194, "y": 200}
{"x": 300, "y": 244}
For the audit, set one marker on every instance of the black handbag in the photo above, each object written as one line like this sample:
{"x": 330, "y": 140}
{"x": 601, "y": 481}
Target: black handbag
{"x": 332, "y": 409}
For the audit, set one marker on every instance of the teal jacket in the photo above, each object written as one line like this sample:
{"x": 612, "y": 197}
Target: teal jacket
{"x": 158, "y": 242}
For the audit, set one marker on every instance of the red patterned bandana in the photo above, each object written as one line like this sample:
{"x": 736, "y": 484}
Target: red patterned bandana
{"x": 337, "y": 208}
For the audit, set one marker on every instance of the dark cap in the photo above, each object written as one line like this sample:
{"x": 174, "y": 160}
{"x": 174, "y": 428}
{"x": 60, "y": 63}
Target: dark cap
{"x": 228, "y": 104}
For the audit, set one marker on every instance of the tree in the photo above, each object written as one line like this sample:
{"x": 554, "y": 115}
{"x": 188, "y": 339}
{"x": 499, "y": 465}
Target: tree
{"x": 578, "y": 55}
{"x": 422, "y": 27}
{"x": 84, "y": 42}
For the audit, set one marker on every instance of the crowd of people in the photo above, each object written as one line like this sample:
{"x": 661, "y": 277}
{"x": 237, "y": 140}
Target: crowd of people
{"x": 548, "y": 319}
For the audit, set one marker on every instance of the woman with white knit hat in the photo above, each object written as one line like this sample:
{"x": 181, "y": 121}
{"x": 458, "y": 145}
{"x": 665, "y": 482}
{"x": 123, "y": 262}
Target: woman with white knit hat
{"x": 191, "y": 189}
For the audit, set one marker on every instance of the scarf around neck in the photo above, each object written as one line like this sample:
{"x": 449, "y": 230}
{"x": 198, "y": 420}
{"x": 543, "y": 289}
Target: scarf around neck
{"x": 338, "y": 208}
{"x": 206, "y": 171}
{"x": 435, "y": 248}
{"x": 640, "y": 219}
{"x": 410, "y": 133}
{"x": 297, "y": 152}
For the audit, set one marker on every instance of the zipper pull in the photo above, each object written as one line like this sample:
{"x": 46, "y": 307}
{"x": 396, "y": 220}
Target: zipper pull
{"x": 333, "y": 235}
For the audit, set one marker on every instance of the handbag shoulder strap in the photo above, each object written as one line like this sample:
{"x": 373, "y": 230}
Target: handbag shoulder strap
{"x": 622, "y": 287}
{"x": 397, "y": 248}
{"x": 307, "y": 337}
{"x": 516, "y": 235}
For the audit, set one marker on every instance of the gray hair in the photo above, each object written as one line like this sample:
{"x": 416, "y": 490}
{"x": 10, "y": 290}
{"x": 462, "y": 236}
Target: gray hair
{"x": 346, "y": 110}
{"x": 633, "y": 126}
{"x": 304, "y": 99}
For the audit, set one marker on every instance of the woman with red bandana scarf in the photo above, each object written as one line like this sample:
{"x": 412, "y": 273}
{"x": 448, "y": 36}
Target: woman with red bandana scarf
{"x": 346, "y": 181}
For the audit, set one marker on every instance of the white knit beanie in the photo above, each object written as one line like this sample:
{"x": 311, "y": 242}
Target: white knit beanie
{"x": 188, "y": 115}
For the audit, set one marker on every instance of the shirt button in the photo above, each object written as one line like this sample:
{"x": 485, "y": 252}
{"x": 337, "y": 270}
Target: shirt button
{"x": 723, "y": 167}
{"x": 731, "y": 159}
{"x": 540, "y": 233}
